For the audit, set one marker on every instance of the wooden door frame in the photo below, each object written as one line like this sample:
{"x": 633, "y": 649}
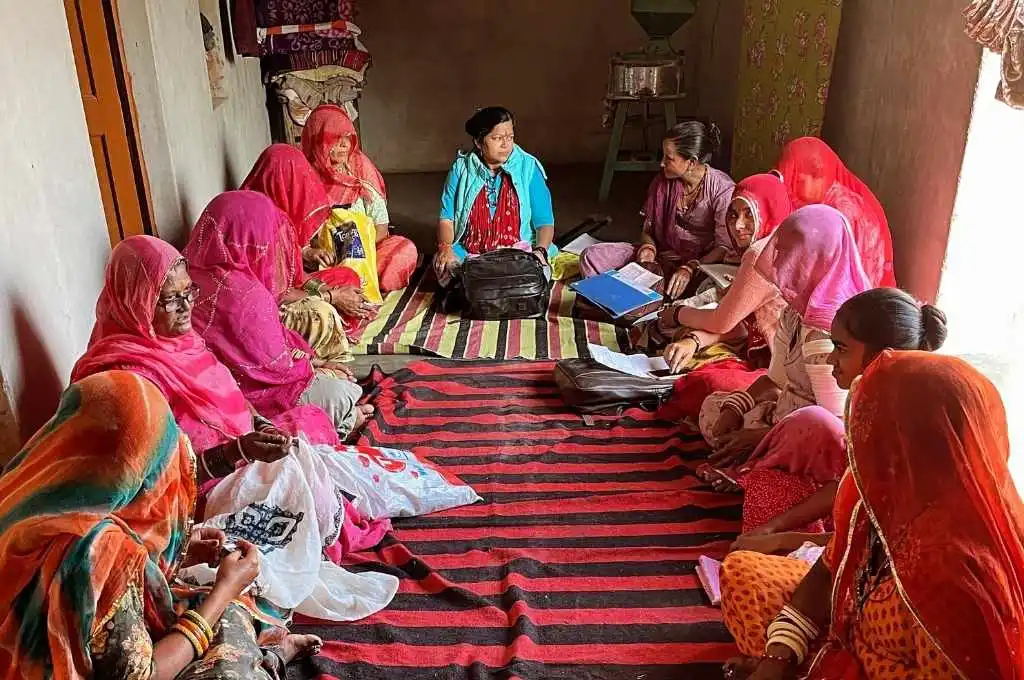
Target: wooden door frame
{"x": 129, "y": 112}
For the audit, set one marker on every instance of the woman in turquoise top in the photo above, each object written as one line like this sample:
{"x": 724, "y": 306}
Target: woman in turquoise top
{"x": 496, "y": 196}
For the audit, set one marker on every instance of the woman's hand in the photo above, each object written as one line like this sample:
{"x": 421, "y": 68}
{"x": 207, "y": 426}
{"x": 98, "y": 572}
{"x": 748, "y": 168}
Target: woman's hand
{"x": 770, "y": 669}
{"x": 338, "y": 369}
{"x": 678, "y": 282}
{"x": 735, "y": 447}
{"x": 728, "y": 421}
{"x": 667, "y": 317}
{"x": 678, "y": 354}
{"x": 315, "y": 259}
{"x": 350, "y": 301}
{"x": 204, "y": 547}
{"x": 767, "y": 544}
{"x": 444, "y": 261}
{"x": 238, "y": 570}
{"x": 265, "y": 447}
{"x": 646, "y": 254}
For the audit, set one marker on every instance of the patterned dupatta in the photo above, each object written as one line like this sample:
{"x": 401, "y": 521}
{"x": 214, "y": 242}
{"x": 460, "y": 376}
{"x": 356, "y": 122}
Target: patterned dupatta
{"x": 100, "y": 499}
{"x": 932, "y": 482}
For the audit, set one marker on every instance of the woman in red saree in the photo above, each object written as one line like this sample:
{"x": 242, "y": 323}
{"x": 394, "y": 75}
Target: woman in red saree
{"x": 330, "y": 142}
{"x": 925, "y": 574}
{"x": 814, "y": 173}
{"x": 284, "y": 175}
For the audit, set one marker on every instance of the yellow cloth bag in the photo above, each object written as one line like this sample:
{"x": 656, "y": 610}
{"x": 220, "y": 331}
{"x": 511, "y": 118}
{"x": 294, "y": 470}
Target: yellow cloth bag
{"x": 359, "y": 233}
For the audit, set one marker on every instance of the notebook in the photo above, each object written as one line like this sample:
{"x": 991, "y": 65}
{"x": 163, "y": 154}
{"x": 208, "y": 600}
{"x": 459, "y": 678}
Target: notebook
{"x": 709, "y": 573}
{"x": 639, "y": 365}
{"x": 614, "y": 295}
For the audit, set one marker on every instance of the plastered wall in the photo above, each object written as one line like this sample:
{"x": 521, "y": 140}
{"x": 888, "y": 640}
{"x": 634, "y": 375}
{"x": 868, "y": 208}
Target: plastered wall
{"x": 193, "y": 151}
{"x": 53, "y": 236}
{"x": 898, "y": 113}
{"x": 436, "y": 62}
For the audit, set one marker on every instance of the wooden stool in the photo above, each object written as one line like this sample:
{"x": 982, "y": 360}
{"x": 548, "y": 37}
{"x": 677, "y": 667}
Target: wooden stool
{"x": 635, "y": 160}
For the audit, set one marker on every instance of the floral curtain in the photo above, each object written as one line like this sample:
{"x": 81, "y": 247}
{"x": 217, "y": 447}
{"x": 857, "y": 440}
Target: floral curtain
{"x": 786, "y": 64}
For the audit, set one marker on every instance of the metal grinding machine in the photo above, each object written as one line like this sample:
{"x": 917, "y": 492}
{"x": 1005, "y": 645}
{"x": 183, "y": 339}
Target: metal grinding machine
{"x": 644, "y": 88}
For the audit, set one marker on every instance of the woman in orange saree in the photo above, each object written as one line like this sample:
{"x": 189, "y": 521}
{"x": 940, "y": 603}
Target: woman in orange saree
{"x": 925, "y": 574}
{"x": 95, "y": 522}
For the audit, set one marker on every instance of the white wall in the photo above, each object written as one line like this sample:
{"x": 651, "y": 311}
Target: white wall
{"x": 53, "y": 236}
{"x": 192, "y": 150}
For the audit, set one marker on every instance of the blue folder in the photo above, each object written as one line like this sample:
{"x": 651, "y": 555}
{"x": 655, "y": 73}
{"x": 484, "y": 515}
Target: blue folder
{"x": 614, "y": 295}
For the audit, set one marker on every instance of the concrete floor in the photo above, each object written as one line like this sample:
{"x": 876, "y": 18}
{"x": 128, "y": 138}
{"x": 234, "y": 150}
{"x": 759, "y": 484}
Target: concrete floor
{"x": 413, "y": 201}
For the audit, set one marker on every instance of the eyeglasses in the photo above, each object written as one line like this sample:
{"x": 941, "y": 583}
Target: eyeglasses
{"x": 502, "y": 139}
{"x": 177, "y": 303}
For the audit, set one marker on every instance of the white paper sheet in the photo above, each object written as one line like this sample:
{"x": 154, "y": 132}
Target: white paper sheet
{"x": 640, "y": 365}
{"x": 580, "y": 243}
{"x": 637, "y": 276}
{"x": 721, "y": 274}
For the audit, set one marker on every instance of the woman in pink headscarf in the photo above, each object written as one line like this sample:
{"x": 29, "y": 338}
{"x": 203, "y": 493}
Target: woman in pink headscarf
{"x": 751, "y": 306}
{"x": 814, "y": 173}
{"x": 780, "y": 440}
{"x": 144, "y": 325}
{"x": 234, "y": 257}
{"x": 331, "y": 144}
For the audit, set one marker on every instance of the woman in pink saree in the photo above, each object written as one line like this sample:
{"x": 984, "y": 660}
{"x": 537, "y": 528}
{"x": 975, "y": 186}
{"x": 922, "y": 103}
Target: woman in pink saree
{"x": 234, "y": 256}
{"x": 144, "y": 325}
{"x": 780, "y": 440}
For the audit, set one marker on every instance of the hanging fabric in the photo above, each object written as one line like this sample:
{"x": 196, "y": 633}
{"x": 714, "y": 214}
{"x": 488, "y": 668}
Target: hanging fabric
{"x": 999, "y": 26}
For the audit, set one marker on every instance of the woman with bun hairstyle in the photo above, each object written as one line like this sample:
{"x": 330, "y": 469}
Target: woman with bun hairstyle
{"x": 924, "y": 575}
{"x": 496, "y": 196}
{"x": 804, "y": 455}
{"x": 866, "y": 327}
{"x": 684, "y": 215}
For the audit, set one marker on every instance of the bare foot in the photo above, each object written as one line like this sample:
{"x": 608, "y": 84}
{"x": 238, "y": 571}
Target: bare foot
{"x": 740, "y": 667}
{"x": 718, "y": 480}
{"x": 300, "y": 646}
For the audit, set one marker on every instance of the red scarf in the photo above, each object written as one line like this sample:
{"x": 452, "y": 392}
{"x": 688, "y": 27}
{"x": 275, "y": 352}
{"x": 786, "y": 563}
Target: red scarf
{"x": 809, "y": 159}
{"x": 484, "y": 232}
{"x": 931, "y": 477}
{"x": 325, "y": 127}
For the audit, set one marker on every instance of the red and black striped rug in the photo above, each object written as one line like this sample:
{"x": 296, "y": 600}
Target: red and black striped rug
{"x": 578, "y": 564}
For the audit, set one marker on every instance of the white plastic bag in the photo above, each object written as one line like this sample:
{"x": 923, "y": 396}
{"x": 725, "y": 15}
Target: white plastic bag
{"x": 291, "y": 510}
{"x": 392, "y": 483}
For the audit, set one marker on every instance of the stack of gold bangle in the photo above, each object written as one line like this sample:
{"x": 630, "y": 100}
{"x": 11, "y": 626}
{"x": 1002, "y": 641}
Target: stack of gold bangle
{"x": 196, "y": 630}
